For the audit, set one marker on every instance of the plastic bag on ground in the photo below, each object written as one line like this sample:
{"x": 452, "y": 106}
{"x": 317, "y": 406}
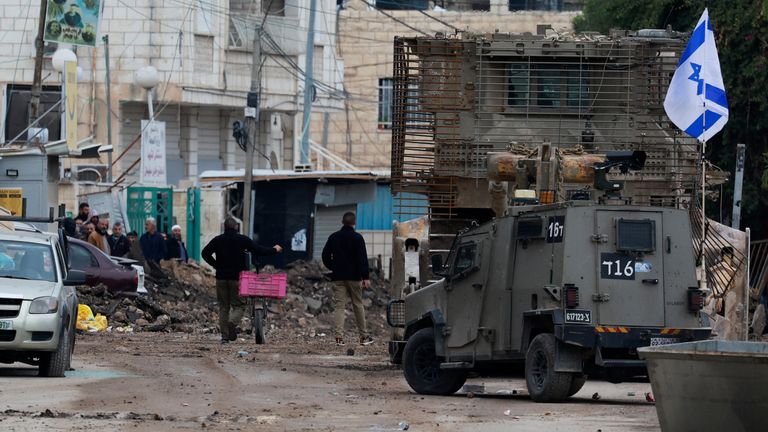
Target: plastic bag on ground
{"x": 87, "y": 322}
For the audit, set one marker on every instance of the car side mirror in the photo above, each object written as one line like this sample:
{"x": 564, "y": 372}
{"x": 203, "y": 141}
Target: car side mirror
{"x": 437, "y": 263}
{"x": 75, "y": 278}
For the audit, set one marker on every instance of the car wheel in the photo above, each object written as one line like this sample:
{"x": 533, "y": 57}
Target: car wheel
{"x": 258, "y": 326}
{"x": 54, "y": 364}
{"x": 422, "y": 367}
{"x": 577, "y": 384}
{"x": 544, "y": 384}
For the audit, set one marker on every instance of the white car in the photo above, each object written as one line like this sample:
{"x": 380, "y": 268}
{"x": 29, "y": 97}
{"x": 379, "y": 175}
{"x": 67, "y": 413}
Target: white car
{"x": 38, "y": 301}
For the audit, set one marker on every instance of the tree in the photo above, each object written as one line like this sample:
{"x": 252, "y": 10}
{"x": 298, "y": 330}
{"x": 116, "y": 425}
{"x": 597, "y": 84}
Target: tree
{"x": 741, "y": 33}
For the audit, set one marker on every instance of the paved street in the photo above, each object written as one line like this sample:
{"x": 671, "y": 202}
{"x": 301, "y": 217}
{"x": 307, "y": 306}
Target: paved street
{"x": 176, "y": 382}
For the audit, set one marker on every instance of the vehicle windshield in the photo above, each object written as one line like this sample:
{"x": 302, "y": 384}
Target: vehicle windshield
{"x": 31, "y": 261}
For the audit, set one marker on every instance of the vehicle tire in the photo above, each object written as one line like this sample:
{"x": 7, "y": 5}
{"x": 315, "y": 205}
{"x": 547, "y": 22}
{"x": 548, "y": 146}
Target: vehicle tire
{"x": 422, "y": 367}
{"x": 577, "y": 384}
{"x": 54, "y": 364}
{"x": 258, "y": 326}
{"x": 544, "y": 384}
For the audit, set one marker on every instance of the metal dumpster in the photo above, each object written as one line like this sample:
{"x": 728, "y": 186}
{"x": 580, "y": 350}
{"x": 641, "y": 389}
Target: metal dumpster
{"x": 710, "y": 385}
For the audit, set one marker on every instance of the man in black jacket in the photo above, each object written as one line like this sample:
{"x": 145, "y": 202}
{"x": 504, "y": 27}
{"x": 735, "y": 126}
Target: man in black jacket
{"x": 230, "y": 260}
{"x": 345, "y": 255}
{"x": 118, "y": 242}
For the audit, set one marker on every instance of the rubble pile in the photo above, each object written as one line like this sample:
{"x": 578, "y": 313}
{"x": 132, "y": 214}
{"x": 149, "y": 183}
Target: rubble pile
{"x": 179, "y": 298}
{"x": 308, "y": 306}
{"x": 182, "y": 297}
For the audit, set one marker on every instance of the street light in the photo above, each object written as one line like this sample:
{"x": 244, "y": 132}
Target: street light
{"x": 60, "y": 58}
{"x": 147, "y": 77}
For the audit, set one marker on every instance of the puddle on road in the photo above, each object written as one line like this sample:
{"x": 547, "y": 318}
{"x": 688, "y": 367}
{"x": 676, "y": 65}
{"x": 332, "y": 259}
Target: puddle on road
{"x": 98, "y": 374}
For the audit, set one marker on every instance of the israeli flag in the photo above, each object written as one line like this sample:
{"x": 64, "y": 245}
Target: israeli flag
{"x": 696, "y": 101}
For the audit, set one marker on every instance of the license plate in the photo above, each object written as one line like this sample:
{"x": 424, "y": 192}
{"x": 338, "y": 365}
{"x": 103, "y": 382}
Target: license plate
{"x": 578, "y": 316}
{"x": 657, "y": 341}
{"x": 6, "y": 325}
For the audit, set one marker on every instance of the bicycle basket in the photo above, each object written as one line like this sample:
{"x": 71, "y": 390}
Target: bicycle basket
{"x": 262, "y": 285}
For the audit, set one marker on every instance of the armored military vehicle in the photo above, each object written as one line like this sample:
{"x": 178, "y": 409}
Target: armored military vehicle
{"x": 571, "y": 288}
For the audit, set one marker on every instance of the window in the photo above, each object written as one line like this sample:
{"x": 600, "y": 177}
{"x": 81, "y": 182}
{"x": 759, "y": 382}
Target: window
{"x": 517, "y": 85}
{"x": 465, "y": 258}
{"x": 17, "y": 105}
{"x": 273, "y": 7}
{"x": 547, "y": 85}
{"x": 402, "y": 4}
{"x": 385, "y": 103}
{"x": 21, "y": 260}
{"x": 547, "y": 5}
{"x": 80, "y": 258}
{"x": 635, "y": 235}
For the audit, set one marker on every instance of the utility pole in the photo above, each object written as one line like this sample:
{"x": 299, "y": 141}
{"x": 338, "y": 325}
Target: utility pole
{"x": 37, "y": 79}
{"x": 108, "y": 83}
{"x": 740, "y": 155}
{"x": 252, "y": 123}
{"x": 309, "y": 87}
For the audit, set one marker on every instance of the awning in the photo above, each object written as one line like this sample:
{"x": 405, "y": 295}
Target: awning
{"x": 234, "y": 176}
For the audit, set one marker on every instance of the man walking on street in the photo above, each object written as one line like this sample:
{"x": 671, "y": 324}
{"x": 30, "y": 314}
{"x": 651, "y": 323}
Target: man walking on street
{"x": 98, "y": 237}
{"x": 230, "y": 259}
{"x": 345, "y": 255}
{"x": 152, "y": 243}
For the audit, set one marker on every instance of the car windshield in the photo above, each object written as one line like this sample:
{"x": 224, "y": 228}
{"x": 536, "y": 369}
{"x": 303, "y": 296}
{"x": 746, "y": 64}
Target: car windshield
{"x": 31, "y": 261}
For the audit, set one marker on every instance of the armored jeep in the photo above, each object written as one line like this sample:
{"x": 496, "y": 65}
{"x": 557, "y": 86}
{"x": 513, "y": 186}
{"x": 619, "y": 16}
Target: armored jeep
{"x": 572, "y": 288}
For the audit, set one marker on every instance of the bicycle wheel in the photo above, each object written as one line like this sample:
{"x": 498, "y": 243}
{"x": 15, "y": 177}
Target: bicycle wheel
{"x": 258, "y": 326}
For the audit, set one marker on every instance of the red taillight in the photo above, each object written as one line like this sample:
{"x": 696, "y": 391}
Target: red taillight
{"x": 571, "y": 296}
{"x": 696, "y": 298}
{"x": 136, "y": 279}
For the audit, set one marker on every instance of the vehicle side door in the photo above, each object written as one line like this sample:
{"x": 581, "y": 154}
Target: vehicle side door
{"x": 465, "y": 286}
{"x": 80, "y": 258}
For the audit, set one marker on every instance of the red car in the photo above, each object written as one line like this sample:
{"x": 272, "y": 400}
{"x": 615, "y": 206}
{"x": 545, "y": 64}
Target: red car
{"x": 117, "y": 274}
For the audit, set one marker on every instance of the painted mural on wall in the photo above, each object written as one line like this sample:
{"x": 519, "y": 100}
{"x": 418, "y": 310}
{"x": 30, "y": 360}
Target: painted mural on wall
{"x": 73, "y": 21}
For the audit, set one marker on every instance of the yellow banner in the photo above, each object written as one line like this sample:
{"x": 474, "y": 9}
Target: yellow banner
{"x": 10, "y": 199}
{"x": 70, "y": 80}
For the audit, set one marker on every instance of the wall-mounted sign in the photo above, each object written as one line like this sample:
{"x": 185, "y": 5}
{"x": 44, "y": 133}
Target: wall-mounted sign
{"x": 153, "y": 168}
{"x": 73, "y": 22}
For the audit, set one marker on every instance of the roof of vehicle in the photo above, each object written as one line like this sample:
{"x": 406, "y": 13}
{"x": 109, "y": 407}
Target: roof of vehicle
{"x": 28, "y": 236}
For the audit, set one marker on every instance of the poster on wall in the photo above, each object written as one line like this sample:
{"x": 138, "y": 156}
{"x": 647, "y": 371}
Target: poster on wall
{"x": 11, "y": 200}
{"x": 153, "y": 167}
{"x": 73, "y": 22}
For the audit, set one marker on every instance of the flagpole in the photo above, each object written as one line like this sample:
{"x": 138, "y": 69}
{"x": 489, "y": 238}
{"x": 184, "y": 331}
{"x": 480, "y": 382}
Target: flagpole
{"x": 703, "y": 281}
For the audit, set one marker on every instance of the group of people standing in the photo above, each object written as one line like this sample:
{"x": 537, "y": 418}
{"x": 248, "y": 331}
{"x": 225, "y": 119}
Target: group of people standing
{"x": 344, "y": 254}
{"x": 151, "y": 246}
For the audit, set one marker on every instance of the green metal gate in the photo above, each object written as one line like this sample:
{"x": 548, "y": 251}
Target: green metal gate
{"x": 193, "y": 223}
{"x": 144, "y": 202}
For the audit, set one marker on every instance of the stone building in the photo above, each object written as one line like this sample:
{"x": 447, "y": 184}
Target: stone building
{"x": 203, "y": 53}
{"x": 361, "y": 132}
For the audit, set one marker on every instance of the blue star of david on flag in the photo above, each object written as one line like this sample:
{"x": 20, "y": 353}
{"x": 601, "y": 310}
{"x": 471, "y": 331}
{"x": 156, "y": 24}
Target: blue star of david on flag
{"x": 696, "y": 101}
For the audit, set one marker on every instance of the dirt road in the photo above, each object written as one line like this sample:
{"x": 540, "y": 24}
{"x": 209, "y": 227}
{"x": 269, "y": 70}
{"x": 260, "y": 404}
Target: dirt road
{"x": 179, "y": 382}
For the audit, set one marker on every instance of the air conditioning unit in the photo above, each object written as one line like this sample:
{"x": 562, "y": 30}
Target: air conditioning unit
{"x": 96, "y": 173}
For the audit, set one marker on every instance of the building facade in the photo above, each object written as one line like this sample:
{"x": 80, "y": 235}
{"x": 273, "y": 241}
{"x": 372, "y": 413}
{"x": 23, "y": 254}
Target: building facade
{"x": 203, "y": 52}
{"x": 361, "y": 132}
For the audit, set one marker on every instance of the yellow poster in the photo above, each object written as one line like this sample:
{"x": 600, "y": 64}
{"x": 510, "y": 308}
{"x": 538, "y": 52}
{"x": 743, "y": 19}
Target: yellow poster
{"x": 70, "y": 80}
{"x": 10, "y": 199}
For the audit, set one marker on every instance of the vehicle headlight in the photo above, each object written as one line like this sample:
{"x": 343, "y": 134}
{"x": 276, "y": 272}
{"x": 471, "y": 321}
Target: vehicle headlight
{"x": 44, "y": 305}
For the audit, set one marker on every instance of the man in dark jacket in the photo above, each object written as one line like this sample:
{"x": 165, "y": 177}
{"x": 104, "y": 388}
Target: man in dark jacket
{"x": 345, "y": 255}
{"x": 83, "y": 212}
{"x": 118, "y": 242}
{"x": 175, "y": 247}
{"x": 152, "y": 243}
{"x": 230, "y": 260}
